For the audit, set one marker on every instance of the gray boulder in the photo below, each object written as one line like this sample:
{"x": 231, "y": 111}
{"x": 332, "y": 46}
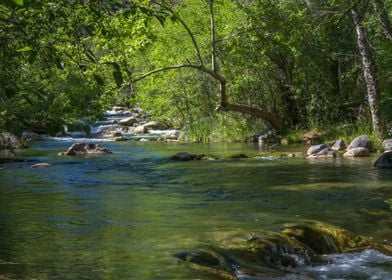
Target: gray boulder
{"x": 127, "y": 121}
{"x": 324, "y": 153}
{"x": 387, "y": 145}
{"x": 384, "y": 161}
{"x": 82, "y": 149}
{"x": 360, "y": 142}
{"x": 29, "y": 135}
{"x": 357, "y": 152}
{"x": 315, "y": 149}
{"x": 9, "y": 141}
{"x": 338, "y": 145}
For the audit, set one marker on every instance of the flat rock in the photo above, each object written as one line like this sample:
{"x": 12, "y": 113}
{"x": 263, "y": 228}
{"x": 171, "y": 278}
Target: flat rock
{"x": 357, "y": 152}
{"x": 315, "y": 149}
{"x": 82, "y": 149}
{"x": 41, "y": 165}
{"x": 384, "y": 161}
{"x": 127, "y": 121}
{"x": 360, "y": 142}
{"x": 324, "y": 153}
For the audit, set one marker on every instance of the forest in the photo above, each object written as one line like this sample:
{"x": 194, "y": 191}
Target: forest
{"x": 219, "y": 69}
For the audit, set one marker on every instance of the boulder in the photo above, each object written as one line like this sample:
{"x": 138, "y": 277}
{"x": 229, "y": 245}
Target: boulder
{"x": 29, "y": 136}
{"x": 9, "y": 141}
{"x": 338, "y": 145}
{"x": 360, "y": 142}
{"x": 151, "y": 125}
{"x": 184, "y": 156}
{"x": 127, "y": 121}
{"x": 41, "y": 165}
{"x": 324, "y": 153}
{"x": 357, "y": 152}
{"x": 387, "y": 145}
{"x": 271, "y": 255}
{"x": 82, "y": 149}
{"x": 140, "y": 129}
{"x": 384, "y": 161}
{"x": 315, "y": 149}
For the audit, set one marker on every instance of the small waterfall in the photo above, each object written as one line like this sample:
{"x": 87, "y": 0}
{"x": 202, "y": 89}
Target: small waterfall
{"x": 123, "y": 123}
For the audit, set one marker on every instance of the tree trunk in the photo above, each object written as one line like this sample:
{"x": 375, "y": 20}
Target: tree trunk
{"x": 384, "y": 18}
{"x": 369, "y": 73}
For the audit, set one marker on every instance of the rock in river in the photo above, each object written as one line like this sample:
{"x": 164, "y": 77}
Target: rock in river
{"x": 41, "y": 165}
{"x": 267, "y": 254}
{"x": 184, "y": 156}
{"x": 357, "y": 152}
{"x": 315, "y": 149}
{"x": 384, "y": 161}
{"x": 387, "y": 145}
{"x": 360, "y": 142}
{"x": 82, "y": 149}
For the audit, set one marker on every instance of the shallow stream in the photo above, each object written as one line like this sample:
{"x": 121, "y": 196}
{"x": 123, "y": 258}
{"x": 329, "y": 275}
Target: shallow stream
{"x": 123, "y": 215}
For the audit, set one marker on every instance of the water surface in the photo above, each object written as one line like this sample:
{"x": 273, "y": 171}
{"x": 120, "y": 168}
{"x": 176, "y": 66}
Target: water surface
{"x": 123, "y": 215}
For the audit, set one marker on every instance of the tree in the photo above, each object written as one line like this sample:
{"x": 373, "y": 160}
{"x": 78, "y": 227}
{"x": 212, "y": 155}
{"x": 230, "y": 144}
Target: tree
{"x": 213, "y": 70}
{"x": 368, "y": 63}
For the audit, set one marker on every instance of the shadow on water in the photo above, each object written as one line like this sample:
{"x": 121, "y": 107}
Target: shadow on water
{"x": 123, "y": 215}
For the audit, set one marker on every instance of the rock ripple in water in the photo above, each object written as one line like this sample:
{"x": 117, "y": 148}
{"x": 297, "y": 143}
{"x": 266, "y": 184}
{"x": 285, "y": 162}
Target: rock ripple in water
{"x": 82, "y": 149}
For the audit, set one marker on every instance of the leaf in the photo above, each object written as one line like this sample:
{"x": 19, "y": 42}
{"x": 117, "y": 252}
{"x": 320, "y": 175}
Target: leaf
{"x": 18, "y": 2}
{"x": 25, "y": 49}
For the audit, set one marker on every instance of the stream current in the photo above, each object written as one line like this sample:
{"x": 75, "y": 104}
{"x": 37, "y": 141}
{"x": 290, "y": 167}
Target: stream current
{"x": 123, "y": 215}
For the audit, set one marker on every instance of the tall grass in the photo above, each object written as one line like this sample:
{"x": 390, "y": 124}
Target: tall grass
{"x": 222, "y": 128}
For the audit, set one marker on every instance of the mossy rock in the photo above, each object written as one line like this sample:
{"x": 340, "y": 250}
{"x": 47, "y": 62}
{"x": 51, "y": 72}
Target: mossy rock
{"x": 326, "y": 239}
{"x": 267, "y": 254}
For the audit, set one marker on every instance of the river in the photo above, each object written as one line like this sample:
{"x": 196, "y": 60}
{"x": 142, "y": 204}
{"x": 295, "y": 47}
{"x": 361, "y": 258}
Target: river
{"x": 123, "y": 215}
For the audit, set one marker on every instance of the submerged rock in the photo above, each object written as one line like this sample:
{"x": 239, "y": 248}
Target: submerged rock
{"x": 82, "y": 149}
{"x": 274, "y": 254}
{"x": 384, "y": 161}
{"x": 184, "y": 156}
{"x": 240, "y": 155}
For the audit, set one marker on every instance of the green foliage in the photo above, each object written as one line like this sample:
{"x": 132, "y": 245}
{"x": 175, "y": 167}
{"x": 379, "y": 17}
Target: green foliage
{"x": 67, "y": 60}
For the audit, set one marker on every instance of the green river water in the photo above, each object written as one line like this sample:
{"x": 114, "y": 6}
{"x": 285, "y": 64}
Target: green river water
{"x": 123, "y": 215}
